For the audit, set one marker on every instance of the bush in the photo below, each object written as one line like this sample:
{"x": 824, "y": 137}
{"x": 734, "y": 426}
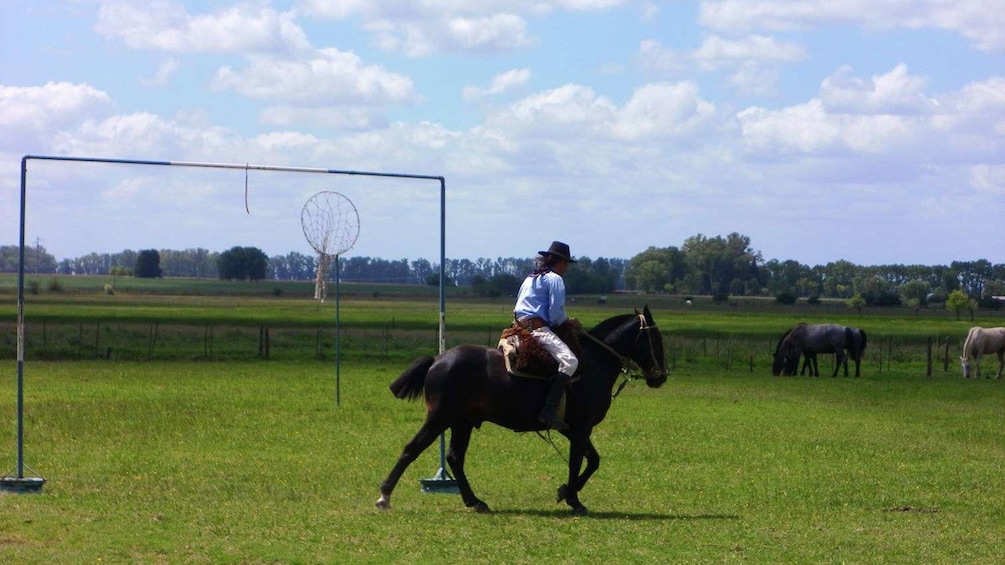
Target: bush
{"x": 988, "y": 303}
{"x": 814, "y": 300}
{"x": 785, "y": 297}
{"x": 55, "y": 286}
{"x": 109, "y": 289}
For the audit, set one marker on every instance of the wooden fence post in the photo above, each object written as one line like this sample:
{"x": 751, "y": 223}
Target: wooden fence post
{"x": 945, "y": 359}
{"x": 928, "y": 366}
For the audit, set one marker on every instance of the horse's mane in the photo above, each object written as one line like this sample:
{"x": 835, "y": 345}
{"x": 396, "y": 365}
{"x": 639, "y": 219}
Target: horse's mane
{"x": 971, "y": 342}
{"x": 801, "y": 326}
{"x": 609, "y": 325}
{"x": 782, "y": 340}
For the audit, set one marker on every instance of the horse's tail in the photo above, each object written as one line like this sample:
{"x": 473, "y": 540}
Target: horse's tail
{"x": 409, "y": 385}
{"x": 862, "y": 343}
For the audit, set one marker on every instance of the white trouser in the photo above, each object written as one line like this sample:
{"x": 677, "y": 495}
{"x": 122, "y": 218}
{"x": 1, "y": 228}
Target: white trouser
{"x": 567, "y": 361}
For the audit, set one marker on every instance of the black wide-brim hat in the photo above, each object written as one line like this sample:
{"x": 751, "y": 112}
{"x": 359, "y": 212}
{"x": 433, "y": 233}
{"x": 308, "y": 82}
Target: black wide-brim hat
{"x": 559, "y": 249}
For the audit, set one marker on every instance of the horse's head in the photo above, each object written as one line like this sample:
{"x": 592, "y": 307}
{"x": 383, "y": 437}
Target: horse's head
{"x": 647, "y": 351}
{"x": 786, "y": 361}
{"x": 965, "y": 363}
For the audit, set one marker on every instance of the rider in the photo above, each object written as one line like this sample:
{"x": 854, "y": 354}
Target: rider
{"x": 540, "y": 306}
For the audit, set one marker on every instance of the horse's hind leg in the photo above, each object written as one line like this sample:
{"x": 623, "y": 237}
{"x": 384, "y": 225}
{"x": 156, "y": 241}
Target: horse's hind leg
{"x": 1001, "y": 363}
{"x": 460, "y": 436}
{"x": 423, "y": 438}
{"x": 840, "y": 359}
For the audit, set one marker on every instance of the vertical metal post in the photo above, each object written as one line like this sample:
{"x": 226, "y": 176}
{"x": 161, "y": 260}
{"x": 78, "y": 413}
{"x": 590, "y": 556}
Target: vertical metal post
{"x": 18, "y": 482}
{"x": 338, "y": 340}
{"x": 442, "y": 482}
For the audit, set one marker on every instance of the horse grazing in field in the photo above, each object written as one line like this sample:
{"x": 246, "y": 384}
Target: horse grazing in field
{"x": 467, "y": 385}
{"x": 983, "y": 341}
{"x": 809, "y": 339}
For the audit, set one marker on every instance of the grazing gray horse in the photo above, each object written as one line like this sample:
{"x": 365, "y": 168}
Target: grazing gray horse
{"x": 983, "y": 341}
{"x": 809, "y": 339}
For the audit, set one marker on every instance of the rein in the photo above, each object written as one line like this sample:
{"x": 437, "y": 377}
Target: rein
{"x": 629, "y": 368}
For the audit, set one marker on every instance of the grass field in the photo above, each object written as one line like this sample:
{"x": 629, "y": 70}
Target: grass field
{"x": 253, "y": 463}
{"x": 230, "y": 458}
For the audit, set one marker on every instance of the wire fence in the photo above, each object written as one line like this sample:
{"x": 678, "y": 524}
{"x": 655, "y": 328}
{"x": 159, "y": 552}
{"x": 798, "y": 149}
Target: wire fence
{"x": 135, "y": 341}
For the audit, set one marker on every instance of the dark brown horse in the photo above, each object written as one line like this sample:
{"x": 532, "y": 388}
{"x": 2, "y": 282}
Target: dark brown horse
{"x": 809, "y": 339}
{"x": 468, "y": 385}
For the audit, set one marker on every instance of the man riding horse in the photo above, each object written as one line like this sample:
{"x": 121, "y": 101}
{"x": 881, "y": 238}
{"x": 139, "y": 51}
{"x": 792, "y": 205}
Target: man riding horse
{"x": 540, "y": 307}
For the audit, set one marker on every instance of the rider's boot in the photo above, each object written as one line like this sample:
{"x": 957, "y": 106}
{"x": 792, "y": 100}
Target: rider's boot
{"x": 549, "y": 415}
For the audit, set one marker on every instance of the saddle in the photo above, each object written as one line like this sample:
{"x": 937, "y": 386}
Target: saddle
{"x": 525, "y": 357}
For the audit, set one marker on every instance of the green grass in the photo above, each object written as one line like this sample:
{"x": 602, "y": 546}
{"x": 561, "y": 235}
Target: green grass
{"x": 207, "y": 454}
{"x": 252, "y": 463}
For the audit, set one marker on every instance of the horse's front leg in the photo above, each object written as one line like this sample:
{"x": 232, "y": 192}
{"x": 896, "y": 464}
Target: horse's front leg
{"x": 423, "y": 438}
{"x": 460, "y": 436}
{"x": 569, "y": 492}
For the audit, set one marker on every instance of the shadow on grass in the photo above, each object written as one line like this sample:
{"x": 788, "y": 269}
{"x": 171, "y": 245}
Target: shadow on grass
{"x": 611, "y": 515}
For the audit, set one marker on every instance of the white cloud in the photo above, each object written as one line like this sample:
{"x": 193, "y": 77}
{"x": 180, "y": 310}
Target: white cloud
{"x": 752, "y": 60}
{"x": 164, "y": 25}
{"x": 502, "y": 83}
{"x": 28, "y": 115}
{"x": 566, "y": 109}
{"x": 329, "y": 78}
{"x": 338, "y": 118}
{"x": 989, "y": 179}
{"x": 662, "y": 110}
{"x": 888, "y": 115}
{"x": 423, "y": 28}
{"x": 895, "y": 92}
{"x": 422, "y": 38}
{"x": 753, "y": 79}
{"x": 140, "y": 134}
{"x": 653, "y": 56}
{"x": 165, "y": 71}
{"x": 983, "y": 24}
{"x": 715, "y": 50}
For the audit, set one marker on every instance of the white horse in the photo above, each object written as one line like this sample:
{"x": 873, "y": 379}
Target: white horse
{"x": 983, "y": 341}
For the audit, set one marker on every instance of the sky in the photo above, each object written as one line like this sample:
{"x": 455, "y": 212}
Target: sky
{"x": 871, "y": 131}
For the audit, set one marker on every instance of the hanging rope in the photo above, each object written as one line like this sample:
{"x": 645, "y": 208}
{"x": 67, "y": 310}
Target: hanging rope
{"x": 246, "y": 208}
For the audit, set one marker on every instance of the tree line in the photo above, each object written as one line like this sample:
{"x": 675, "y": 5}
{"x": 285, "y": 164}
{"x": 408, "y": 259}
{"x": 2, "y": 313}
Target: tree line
{"x": 717, "y": 266}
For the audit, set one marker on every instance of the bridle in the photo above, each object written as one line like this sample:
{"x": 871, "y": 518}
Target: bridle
{"x": 630, "y": 370}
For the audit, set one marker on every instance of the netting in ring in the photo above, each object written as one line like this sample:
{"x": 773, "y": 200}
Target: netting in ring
{"x": 331, "y": 226}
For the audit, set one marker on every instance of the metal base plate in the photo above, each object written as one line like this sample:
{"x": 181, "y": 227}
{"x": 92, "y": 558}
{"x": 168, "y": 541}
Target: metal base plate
{"x": 21, "y": 484}
{"x": 441, "y": 483}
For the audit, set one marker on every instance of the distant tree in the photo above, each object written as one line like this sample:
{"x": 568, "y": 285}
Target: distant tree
{"x": 148, "y": 264}
{"x": 913, "y": 303}
{"x": 119, "y": 271}
{"x": 655, "y": 270}
{"x": 243, "y": 263}
{"x": 499, "y": 285}
{"x": 917, "y": 289}
{"x": 434, "y": 280}
{"x": 957, "y": 301}
{"x": 856, "y": 302}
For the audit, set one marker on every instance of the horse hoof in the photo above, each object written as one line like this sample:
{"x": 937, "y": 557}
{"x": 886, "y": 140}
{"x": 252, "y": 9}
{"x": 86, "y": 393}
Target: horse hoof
{"x": 580, "y": 510}
{"x": 481, "y": 508}
{"x": 384, "y": 503}
{"x": 562, "y": 491}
